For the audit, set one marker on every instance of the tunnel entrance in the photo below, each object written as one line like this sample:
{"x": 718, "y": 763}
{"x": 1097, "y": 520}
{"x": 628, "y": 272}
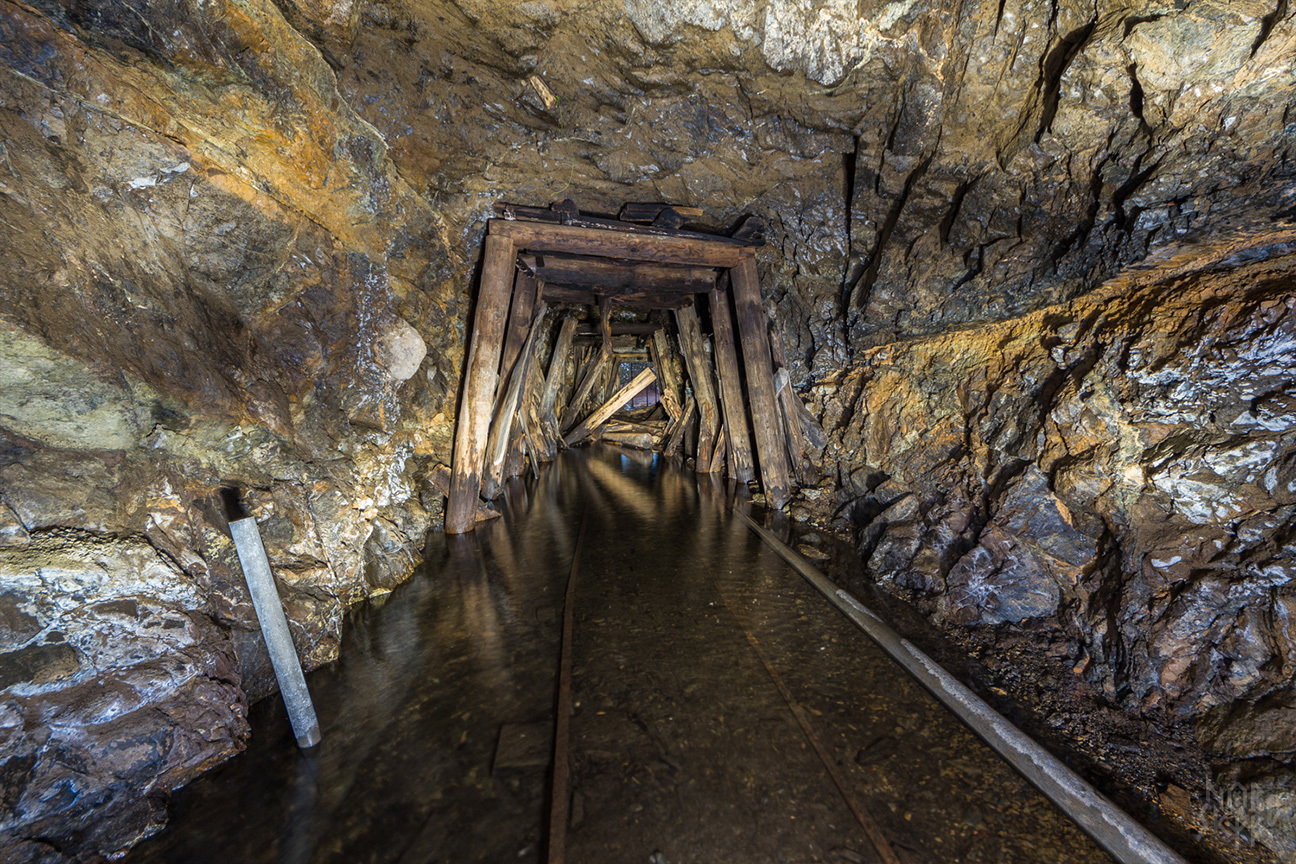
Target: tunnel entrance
{"x": 654, "y": 317}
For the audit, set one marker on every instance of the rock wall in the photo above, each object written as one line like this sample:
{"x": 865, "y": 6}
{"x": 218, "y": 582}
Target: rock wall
{"x": 232, "y": 230}
{"x": 213, "y": 277}
{"x": 1118, "y": 475}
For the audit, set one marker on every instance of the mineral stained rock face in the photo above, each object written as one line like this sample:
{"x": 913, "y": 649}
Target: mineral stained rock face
{"x": 239, "y": 243}
{"x": 1120, "y": 469}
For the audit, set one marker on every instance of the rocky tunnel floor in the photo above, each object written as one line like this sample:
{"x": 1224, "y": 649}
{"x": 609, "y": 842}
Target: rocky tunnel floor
{"x": 695, "y": 650}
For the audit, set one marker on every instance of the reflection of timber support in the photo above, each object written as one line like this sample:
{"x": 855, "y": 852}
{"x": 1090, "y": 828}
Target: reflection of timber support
{"x": 727, "y": 410}
{"x": 480, "y": 376}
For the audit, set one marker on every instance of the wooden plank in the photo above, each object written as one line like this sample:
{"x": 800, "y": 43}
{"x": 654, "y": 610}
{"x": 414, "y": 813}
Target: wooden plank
{"x": 731, "y": 399}
{"x": 480, "y": 375}
{"x": 501, "y": 433}
{"x": 593, "y": 373}
{"x": 771, "y": 448}
{"x": 527, "y": 429}
{"x": 605, "y": 273}
{"x": 648, "y": 213}
{"x": 605, "y": 324}
{"x": 677, "y": 433}
{"x": 664, "y": 360}
{"x": 510, "y": 212}
{"x": 673, "y": 248}
{"x": 628, "y": 298}
{"x": 699, "y": 371}
{"x": 621, "y": 328}
{"x": 610, "y": 407}
{"x": 525, "y": 292}
{"x": 553, "y": 381}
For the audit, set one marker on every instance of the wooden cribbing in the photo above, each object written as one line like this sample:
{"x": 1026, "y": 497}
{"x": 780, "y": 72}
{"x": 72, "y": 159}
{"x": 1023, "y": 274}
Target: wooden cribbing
{"x": 610, "y": 407}
{"x": 767, "y": 425}
{"x": 699, "y": 371}
{"x": 657, "y": 249}
{"x": 480, "y": 375}
{"x": 602, "y": 273}
{"x": 731, "y": 397}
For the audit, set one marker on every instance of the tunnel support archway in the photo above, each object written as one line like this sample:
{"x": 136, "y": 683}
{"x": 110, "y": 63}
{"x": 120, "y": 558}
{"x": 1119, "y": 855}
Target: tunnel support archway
{"x": 564, "y": 256}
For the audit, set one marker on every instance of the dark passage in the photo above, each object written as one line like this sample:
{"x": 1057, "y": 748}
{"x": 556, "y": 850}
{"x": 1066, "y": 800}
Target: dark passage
{"x": 695, "y": 649}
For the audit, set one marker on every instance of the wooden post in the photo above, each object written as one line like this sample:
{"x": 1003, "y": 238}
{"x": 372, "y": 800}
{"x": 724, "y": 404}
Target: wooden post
{"x": 501, "y": 433}
{"x": 611, "y": 406}
{"x": 735, "y": 412}
{"x": 681, "y": 422}
{"x": 766, "y": 423}
{"x": 525, "y": 291}
{"x": 663, "y": 359}
{"x": 480, "y": 375}
{"x": 527, "y": 426}
{"x": 699, "y": 370}
{"x": 557, "y": 370}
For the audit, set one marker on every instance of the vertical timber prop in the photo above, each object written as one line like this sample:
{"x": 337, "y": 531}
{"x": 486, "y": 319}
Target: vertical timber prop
{"x": 527, "y": 428}
{"x": 663, "y": 360}
{"x": 481, "y": 373}
{"x": 699, "y": 371}
{"x": 771, "y": 447}
{"x": 731, "y": 396}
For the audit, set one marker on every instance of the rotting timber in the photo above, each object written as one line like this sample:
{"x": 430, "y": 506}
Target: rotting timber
{"x": 509, "y": 410}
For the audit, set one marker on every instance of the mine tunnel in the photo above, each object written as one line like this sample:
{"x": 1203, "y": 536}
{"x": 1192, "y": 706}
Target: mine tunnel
{"x": 639, "y": 431}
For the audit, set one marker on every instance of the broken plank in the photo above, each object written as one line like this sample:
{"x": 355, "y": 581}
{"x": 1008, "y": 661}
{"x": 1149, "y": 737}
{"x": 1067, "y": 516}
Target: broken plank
{"x": 501, "y": 433}
{"x": 610, "y": 407}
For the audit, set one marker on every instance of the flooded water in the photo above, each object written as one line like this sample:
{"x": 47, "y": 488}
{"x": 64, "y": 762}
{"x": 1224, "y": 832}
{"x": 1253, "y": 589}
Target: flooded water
{"x": 710, "y": 687}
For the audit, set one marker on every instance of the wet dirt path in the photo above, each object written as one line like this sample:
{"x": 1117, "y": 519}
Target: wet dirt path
{"x": 694, "y": 647}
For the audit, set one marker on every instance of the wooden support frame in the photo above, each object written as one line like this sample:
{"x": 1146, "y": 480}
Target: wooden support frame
{"x": 575, "y": 258}
{"x": 481, "y": 373}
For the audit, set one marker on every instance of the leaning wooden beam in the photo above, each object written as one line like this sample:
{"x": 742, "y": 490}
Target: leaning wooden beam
{"x": 731, "y": 398}
{"x": 771, "y": 448}
{"x": 699, "y": 371}
{"x": 610, "y": 407}
{"x": 501, "y": 433}
{"x": 525, "y": 291}
{"x": 557, "y": 370}
{"x": 480, "y": 374}
{"x": 527, "y": 426}
{"x": 664, "y": 361}
{"x": 593, "y": 373}
{"x": 681, "y": 423}
{"x": 698, "y": 251}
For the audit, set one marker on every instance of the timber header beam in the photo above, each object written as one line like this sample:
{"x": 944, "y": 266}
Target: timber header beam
{"x": 657, "y": 249}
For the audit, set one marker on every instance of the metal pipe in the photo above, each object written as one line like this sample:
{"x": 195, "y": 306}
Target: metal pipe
{"x": 274, "y": 627}
{"x": 1112, "y": 828}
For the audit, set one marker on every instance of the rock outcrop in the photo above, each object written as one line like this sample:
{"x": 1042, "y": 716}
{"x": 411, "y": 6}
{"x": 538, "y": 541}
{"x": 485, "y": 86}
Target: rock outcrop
{"x": 1117, "y": 472}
